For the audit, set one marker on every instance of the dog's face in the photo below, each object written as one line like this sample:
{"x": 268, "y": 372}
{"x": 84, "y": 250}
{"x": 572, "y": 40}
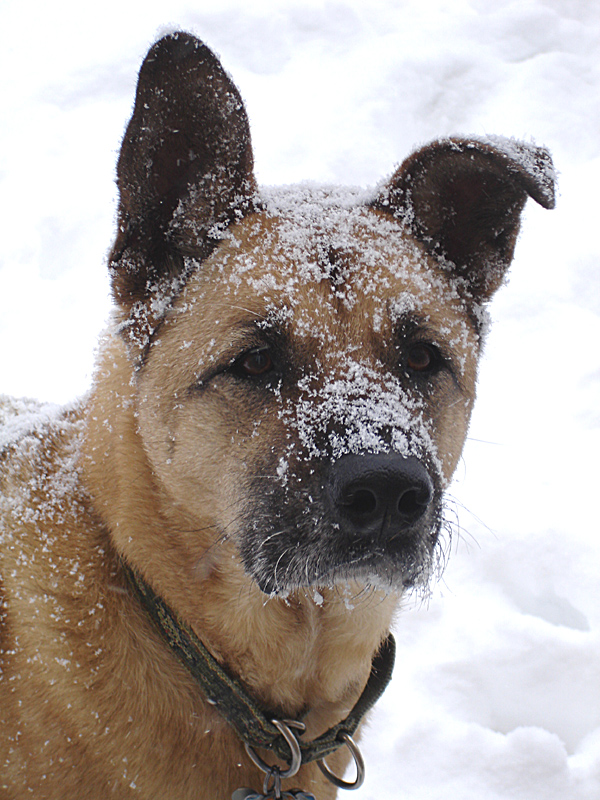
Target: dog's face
{"x": 324, "y": 369}
{"x": 305, "y": 362}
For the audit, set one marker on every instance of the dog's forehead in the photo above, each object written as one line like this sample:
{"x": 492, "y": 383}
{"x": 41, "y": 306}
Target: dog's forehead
{"x": 320, "y": 257}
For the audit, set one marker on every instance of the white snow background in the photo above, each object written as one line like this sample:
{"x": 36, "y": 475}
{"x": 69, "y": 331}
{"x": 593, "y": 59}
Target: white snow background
{"x": 496, "y": 692}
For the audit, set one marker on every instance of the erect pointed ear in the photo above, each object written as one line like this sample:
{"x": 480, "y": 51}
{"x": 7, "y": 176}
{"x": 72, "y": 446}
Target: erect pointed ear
{"x": 463, "y": 199}
{"x": 185, "y": 168}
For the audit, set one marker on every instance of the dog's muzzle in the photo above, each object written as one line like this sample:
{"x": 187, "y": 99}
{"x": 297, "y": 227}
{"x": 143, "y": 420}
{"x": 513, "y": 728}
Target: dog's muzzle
{"x": 367, "y": 517}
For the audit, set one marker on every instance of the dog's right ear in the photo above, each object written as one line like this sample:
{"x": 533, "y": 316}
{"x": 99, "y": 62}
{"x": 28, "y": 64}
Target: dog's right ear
{"x": 185, "y": 169}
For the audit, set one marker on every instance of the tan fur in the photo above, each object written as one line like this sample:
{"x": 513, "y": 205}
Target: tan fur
{"x": 92, "y": 703}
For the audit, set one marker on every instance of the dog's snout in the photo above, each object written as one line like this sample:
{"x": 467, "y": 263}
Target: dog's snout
{"x": 381, "y": 493}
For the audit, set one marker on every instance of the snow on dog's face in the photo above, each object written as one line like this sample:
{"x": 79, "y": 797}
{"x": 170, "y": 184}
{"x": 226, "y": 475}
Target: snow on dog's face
{"x": 304, "y": 361}
{"x": 317, "y": 350}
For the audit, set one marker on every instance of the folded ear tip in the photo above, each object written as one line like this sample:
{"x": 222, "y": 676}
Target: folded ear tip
{"x": 538, "y": 165}
{"x": 533, "y": 163}
{"x": 547, "y": 184}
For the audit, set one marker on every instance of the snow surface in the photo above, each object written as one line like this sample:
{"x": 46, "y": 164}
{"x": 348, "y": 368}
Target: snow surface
{"x": 496, "y": 692}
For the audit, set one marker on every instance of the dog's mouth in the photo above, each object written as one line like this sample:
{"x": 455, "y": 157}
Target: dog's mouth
{"x": 375, "y": 520}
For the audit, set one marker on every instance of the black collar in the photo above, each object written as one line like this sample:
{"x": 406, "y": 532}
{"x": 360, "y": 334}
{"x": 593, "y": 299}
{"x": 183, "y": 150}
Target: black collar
{"x": 229, "y": 697}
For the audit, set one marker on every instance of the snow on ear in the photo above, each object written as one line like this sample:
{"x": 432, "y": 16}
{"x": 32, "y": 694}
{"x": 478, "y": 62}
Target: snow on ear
{"x": 185, "y": 168}
{"x": 463, "y": 199}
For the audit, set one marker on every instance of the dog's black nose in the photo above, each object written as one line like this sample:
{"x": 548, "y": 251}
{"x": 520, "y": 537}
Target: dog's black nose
{"x": 380, "y": 494}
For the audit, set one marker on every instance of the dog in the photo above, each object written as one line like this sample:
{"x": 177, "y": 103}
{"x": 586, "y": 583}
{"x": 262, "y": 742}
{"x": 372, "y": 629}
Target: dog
{"x": 258, "y": 472}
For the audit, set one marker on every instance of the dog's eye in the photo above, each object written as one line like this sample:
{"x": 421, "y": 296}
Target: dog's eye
{"x": 254, "y": 363}
{"x": 422, "y": 358}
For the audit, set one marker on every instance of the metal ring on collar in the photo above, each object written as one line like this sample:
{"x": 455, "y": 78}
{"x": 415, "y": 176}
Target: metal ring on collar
{"x": 284, "y": 730}
{"x": 358, "y": 760}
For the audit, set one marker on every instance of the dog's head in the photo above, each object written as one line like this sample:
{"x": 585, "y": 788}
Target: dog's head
{"x": 305, "y": 359}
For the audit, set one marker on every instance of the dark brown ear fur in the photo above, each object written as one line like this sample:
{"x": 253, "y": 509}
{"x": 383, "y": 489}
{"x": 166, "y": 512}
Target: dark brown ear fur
{"x": 463, "y": 199}
{"x": 185, "y": 168}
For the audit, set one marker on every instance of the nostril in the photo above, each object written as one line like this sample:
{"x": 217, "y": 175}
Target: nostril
{"x": 411, "y": 503}
{"x": 363, "y": 502}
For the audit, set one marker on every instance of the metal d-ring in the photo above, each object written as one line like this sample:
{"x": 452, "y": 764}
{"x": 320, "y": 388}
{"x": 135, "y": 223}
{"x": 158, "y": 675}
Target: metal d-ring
{"x": 284, "y": 730}
{"x": 358, "y": 760}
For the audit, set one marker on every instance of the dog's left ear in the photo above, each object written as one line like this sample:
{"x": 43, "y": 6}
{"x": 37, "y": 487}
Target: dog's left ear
{"x": 463, "y": 199}
{"x": 185, "y": 169}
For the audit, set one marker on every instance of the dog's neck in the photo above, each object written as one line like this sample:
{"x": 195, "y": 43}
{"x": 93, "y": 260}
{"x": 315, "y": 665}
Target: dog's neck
{"x": 255, "y": 725}
{"x": 310, "y": 651}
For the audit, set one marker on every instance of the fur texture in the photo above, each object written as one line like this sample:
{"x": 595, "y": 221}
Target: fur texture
{"x": 278, "y": 406}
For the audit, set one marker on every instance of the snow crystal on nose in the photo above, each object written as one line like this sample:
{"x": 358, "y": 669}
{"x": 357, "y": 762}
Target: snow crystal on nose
{"x": 360, "y": 412}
